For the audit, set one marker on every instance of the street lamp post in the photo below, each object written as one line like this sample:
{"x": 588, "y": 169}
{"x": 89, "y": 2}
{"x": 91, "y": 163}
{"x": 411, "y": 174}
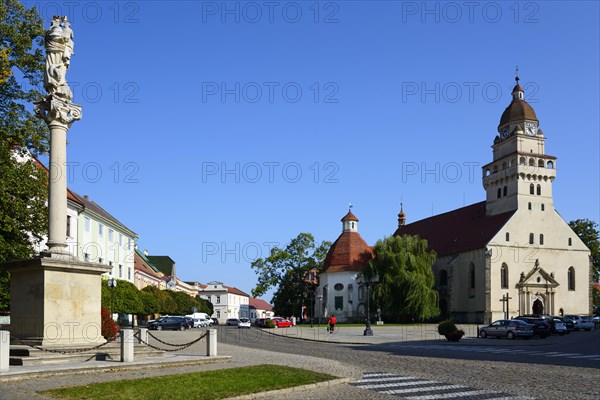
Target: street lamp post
{"x": 312, "y": 306}
{"x": 112, "y": 284}
{"x": 319, "y": 298}
{"x": 368, "y": 282}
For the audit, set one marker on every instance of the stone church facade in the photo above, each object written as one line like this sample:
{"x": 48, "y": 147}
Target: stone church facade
{"x": 512, "y": 253}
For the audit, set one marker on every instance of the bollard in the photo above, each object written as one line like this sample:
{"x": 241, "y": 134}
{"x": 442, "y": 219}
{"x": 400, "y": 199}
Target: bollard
{"x": 211, "y": 343}
{"x": 4, "y": 350}
{"x": 127, "y": 345}
{"x": 143, "y": 339}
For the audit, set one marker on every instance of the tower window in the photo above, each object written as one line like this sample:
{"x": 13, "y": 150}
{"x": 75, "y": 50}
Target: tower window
{"x": 495, "y": 168}
{"x": 532, "y": 162}
{"x": 531, "y": 238}
{"x": 504, "y": 276}
{"x": 503, "y": 165}
{"x": 550, "y": 164}
{"x": 531, "y": 189}
{"x": 499, "y": 192}
{"x": 529, "y": 206}
{"x": 487, "y": 172}
{"x": 539, "y": 190}
{"x": 543, "y": 207}
{"x": 541, "y": 238}
{"x": 522, "y": 160}
{"x": 507, "y": 237}
{"x": 570, "y": 242}
{"x": 505, "y": 191}
{"x": 571, "y": 278}
{"x": 541, "y": 163}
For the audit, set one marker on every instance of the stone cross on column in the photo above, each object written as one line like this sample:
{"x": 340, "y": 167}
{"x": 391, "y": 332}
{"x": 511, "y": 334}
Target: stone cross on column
{"x": 57, "y": 110}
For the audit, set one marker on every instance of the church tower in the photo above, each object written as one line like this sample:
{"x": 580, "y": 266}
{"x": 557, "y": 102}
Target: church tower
{"x": 521, "y": 173}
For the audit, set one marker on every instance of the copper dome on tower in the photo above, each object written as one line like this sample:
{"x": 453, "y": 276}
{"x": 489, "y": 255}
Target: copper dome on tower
{"x": 518, "y": 109}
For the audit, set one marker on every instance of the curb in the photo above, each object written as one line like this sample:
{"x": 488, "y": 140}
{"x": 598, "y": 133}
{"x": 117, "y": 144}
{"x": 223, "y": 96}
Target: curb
{"x": 280, "y": 392}
{"x": 109, "y": 368}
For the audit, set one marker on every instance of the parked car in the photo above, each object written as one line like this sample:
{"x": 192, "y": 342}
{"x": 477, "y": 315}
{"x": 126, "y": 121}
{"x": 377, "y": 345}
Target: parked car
{"x": 509, "y": 328}
{"x": 260, "y": 322}
{"x": 581, "y": 322}
{"x": 281, "y": 323}
{"x": 205, "y": 322}
{"x": 174, "y": 323}
{"x": 215, "y": 321}
{"x": 550, "y": 321}
{"x": 540, "y": 328}
{"x": 244, "y": 323}
{"x": 569, "y": 323}
{"x": 232, "y": 322}
{"x": 560, "y": 327}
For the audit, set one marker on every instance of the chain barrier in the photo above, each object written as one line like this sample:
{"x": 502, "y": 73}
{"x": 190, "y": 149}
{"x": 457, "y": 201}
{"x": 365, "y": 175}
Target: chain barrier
{"x": 167, "y": 343}
{"x": 177, "y": 348}
{"x": 66, "y": 351}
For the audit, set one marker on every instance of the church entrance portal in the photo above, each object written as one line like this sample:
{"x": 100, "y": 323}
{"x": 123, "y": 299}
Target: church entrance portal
{"x": 538, "y": 307}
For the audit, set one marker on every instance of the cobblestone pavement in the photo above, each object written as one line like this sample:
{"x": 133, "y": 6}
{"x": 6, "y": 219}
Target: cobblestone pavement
{"x": 255, "y": 347}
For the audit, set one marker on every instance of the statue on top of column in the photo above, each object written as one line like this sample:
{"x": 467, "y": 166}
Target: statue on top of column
{"x": 58, "y": 42}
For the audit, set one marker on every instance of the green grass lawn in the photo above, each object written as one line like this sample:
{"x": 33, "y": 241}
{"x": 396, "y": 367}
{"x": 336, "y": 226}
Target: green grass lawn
{"x": 216, "y": 384}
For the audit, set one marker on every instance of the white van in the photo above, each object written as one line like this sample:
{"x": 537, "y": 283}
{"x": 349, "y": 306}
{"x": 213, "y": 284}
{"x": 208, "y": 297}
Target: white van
{"x": 204, "y": 319}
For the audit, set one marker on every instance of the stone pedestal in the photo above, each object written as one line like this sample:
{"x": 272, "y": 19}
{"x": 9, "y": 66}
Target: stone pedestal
{"x": 127, "y": 345}
{"x": 55, "y": 301}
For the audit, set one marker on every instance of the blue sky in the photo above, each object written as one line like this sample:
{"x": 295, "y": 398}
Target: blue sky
{"x": 220, "y": 129}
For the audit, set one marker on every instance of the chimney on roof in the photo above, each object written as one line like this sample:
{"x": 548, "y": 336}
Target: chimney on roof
{"x": 146, "y": 252}
{"x": 85, "y": 196}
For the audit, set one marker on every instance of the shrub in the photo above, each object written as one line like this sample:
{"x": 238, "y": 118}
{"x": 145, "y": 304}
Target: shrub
{"x": 447, "y": 327}
{"x": 109, "y": 328}
{"x": 269, "y": 323}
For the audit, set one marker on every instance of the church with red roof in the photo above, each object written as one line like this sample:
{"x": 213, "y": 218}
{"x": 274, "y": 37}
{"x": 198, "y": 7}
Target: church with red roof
{"x": 509, "y": 255}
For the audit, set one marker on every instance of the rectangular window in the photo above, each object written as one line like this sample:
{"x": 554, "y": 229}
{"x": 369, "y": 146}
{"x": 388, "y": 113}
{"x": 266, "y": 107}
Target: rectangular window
{"x": 120, "y": 239}
{"x": 218, "y": 313}
{"x": 339, "y": 302}
{"x": 111, "y": 235}
{"x": 100, "y": 230}
{"x": 86, "y": 257}
{"x": 68, "y": 226}
{"x": 218, "y": 299}
{"x": 86, "y": 224}
{"x": 128, "y": 244}
{"x": 120, "y": 270}
{"x": 129, "y": 273}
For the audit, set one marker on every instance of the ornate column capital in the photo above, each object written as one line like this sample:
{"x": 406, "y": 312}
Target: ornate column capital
{"x": 55, "y": 109}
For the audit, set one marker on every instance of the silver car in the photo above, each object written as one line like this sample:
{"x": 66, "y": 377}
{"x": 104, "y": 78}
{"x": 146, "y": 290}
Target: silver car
{"x": 581, "y": 322}
{"x": 509, "y": 328}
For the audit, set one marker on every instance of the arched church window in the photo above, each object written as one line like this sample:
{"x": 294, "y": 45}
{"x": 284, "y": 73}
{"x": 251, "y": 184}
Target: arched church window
{"x": 532, "y": 162}
{"x": 539, "y": 190}
{"x": 541, "y": 163}
{"x": 531, "y": 189}
{"x": 443, "y": 277}
{"x": 487, "y": 172}
{"x": 353, "y": 225}
{"x": 571, "y": 278}
{"x": 504, "y": 276}
{"x": 550, "y": 164}
{"x": 504, "y": 191}
{"x": 472, "y": 276}
{"x": 507, "y": 237}
{"x": 522, "y": 160}
{"x": 499, "y": 192}
{"x": 541, "y": 238}
{"x": 531, "y": 238}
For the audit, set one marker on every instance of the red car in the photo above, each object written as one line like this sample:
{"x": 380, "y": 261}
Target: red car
{"x": 282, "y": 323}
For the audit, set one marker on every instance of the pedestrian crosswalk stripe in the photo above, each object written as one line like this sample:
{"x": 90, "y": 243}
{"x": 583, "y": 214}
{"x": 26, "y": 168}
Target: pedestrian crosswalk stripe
{"x": 410, "y": 387}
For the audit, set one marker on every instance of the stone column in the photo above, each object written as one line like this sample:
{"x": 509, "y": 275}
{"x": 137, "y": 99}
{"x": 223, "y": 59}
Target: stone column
{"x": 4, "y": 350}
{"x": 211, "y": 343}
{"x": 57, "y": 188}
{"x": 127, "y": 345}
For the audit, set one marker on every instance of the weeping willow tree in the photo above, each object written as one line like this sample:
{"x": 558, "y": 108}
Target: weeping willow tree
{"x": 404, "y": 290}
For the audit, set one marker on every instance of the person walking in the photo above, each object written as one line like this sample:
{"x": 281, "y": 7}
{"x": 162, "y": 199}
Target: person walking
{"x": 332, "y": 322}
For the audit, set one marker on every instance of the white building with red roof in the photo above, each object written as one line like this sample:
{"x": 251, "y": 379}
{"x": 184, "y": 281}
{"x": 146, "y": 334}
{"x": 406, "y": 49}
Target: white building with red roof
{"x": 228, "y": 302}
{"x": 260, "y": 309}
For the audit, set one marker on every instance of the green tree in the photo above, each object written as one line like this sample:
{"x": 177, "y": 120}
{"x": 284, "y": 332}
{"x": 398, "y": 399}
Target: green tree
{"x": 405, "y": 288}
{"x": 23, "y": 187}
{"x": 285, "y": 270}
{"x": 587, "y": 230}
{"x": 150, "y": 302}
{"x": 166, "y": 304}
{"x": 126, "y": 298}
